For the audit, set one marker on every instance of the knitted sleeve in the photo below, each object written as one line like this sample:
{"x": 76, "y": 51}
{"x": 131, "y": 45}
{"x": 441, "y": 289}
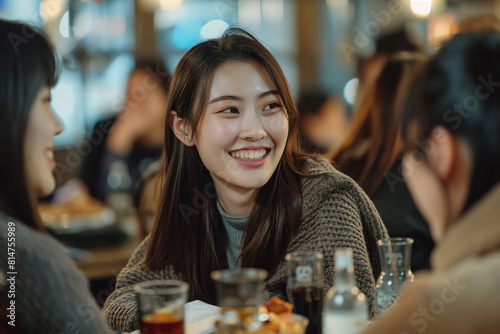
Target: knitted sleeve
{"x": 50, "y": 294}
{"x": 337, "y": 213}
{"x": 120, "y": 309}
{"x": 344, "y": 221}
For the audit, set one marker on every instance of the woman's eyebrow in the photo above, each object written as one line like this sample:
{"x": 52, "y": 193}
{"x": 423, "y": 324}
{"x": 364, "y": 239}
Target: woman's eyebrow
{"x": 225, "y": 97}
{"x": 238, "y": 98}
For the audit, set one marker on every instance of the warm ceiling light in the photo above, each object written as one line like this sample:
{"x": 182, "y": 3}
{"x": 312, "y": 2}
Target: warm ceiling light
{"x": 170, "y": 4}
{"x": 421, "y": 8}
{"x": 51, "y": 10}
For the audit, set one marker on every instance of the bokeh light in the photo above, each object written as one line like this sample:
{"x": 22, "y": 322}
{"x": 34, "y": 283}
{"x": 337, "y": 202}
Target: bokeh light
{"x": 421, "y": 8}
{"x": 213, "y": 29}
{"x": 350, "y": 90}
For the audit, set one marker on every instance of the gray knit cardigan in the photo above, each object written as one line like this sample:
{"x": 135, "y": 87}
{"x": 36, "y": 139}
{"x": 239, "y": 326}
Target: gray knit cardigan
{"x": 50, "y": 294}
{"x": 336, "y": 213}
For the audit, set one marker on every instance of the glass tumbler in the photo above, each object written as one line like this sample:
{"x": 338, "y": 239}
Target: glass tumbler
{"x": 305, "y": 287}
{"x": 239, "y": 294}
{"x": 161, "y": 306}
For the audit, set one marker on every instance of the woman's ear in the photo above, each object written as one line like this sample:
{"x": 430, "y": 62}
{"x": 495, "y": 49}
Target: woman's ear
{"x": 181, "y": 129}
{"x": 444, "y": 156}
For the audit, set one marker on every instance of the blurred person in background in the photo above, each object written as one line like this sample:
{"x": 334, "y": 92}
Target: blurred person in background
{"x": 387, "y": 44}
{"x": 451, "y": 130}
{"x": 134, "y": 138}
{"x": 371, "y": 155}
{"x": 237, "y": 193}
{"x": 323, "y": 121}
{"x": 49, "y": 294}
{"x": 478, "y": 23}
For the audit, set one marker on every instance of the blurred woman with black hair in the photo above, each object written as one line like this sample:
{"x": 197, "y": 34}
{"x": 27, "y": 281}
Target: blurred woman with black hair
{"x": 451, "y": 133}
{"x": 45, "y": 290}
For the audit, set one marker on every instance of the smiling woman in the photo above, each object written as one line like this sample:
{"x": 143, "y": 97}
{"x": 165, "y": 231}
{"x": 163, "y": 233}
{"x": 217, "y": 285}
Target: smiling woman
{"x": 42, "y": 125}
{"x": 244, "y": 126}
{"x": 47, "y": 294}
{"x": 237, "y": 191}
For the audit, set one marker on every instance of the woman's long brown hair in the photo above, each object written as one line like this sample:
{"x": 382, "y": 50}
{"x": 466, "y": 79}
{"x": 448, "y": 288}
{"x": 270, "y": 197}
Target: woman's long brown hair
{"x": 374, "y": 139}
{"x": 188, "y": 233}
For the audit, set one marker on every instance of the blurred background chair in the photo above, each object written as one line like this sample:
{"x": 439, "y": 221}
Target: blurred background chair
{"x": 147, "y": 196}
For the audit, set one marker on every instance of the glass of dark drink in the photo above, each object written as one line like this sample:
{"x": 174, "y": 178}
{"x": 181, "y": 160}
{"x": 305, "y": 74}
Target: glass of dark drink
{"x": 161, "y": 306}
{"x": 305, "y": 287}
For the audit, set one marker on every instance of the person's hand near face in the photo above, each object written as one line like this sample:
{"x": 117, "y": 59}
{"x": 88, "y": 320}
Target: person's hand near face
{"x": 143, "y": 115}
{"x": 438, "y": 178}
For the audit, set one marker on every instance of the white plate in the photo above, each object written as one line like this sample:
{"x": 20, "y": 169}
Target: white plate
{"x": 66, "y": 224}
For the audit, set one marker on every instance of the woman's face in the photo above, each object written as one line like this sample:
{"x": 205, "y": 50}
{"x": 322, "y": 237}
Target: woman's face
{"x": 39, "y": 161}
{"x": 438, "y": 177}
{"x": 145, "y": 102}
{"x": 428, "y": 193}
{"x": 244, "y": 127}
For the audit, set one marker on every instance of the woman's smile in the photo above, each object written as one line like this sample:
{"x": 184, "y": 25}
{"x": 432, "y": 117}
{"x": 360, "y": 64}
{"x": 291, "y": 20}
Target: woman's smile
{"x": 243, "y": 131}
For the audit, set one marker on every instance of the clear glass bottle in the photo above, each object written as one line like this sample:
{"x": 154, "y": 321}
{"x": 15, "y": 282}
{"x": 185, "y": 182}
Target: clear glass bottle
{"x": 395, "y": 256}
{"x": 346, "y": 309}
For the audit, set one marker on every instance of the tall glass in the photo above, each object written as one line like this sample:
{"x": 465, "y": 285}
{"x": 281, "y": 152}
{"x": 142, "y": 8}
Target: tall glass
{"x": 305, "y": 287}
{"x": 239, "y": 293}
{"x": 395, "y": 255}
{"x": 161, "y": 306}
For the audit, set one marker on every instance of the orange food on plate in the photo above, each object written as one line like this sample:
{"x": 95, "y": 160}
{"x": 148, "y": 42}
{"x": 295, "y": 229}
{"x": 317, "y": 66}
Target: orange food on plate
{"x": 280, "y": 318}
{"x": 81, "y": 203}
{"x": 278, "y": 306}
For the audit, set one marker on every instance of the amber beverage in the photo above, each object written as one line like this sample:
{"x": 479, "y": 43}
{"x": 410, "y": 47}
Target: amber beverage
{"x": 162, "y": 323}
{"x": 239, "y": 293}
{"x": 161, "y": 305}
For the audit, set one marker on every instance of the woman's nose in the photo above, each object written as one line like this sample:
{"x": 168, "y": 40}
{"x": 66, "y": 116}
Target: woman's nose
{"x": 252, "y": 127}
{"x": 59, "y": 127}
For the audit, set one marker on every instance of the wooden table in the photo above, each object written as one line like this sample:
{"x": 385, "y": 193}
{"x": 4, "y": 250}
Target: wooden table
{"x": 107, "y": 262}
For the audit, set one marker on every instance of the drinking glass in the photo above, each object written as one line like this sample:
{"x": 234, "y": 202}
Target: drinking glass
{"x": 395, "y": 255}
{"x": 305, "y": 287}
{"x": 161, "y": 306}
{"x": 239, "y": 293}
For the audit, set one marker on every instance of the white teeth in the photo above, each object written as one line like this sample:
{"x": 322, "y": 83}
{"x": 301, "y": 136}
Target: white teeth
{"x": 50, "y": 154}
{"x": 257, "y": 155}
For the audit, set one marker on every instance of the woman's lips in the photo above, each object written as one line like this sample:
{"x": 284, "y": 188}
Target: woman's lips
{"x": 49, "y": 154}
{"x": 251, "y": 157}
{"x": 249, "y": 154}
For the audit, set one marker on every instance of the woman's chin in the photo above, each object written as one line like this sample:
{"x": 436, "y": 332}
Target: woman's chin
{"x": 45, "y": 189}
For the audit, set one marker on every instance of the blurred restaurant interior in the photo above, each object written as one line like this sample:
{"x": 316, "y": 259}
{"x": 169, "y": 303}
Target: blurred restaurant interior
{"x": 320, "y": 45}
{"x": 330, "y": 52}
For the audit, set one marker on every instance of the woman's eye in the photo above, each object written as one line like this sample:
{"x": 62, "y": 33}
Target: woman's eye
{"x": 272, "y": 106}
{"x": 230, "y": 111}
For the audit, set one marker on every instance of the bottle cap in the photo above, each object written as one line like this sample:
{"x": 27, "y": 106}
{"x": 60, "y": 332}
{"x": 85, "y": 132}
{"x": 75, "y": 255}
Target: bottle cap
{"x": 343, "y": 258}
